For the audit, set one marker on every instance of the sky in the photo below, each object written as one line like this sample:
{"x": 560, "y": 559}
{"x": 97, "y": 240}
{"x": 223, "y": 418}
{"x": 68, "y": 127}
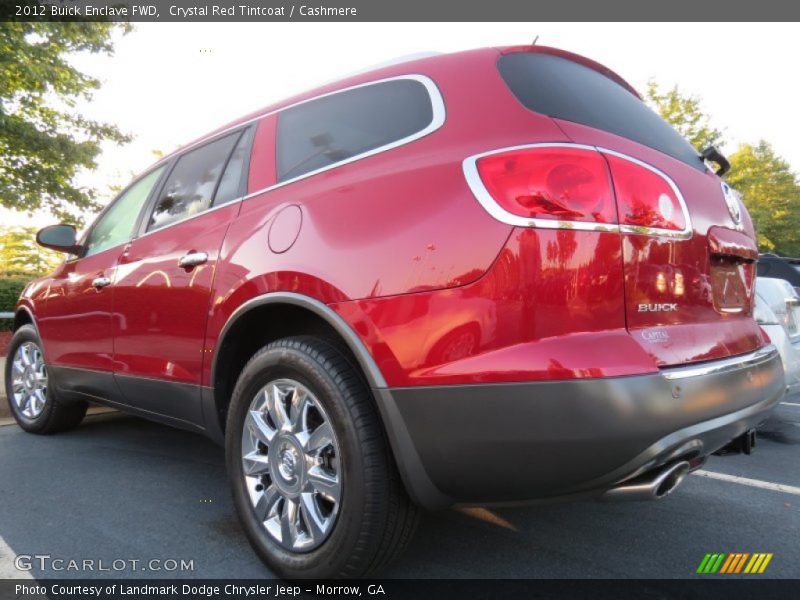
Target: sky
{"x": 168, "y": 83}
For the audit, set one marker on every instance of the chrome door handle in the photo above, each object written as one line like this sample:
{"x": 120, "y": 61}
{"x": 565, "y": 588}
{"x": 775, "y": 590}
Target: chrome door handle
{"x": 101, "y": 282}
{"x": 192, "y": 259}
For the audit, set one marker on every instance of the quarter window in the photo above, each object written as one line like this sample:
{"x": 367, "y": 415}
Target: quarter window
{"x": 190, "y": 187}
{"x": 115, "y": 226}
{"x": 332, "y": 129}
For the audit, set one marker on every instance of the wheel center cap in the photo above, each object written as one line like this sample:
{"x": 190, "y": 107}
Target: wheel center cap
{"x": 288, "y": 463}
{"x": 287, "y": 469}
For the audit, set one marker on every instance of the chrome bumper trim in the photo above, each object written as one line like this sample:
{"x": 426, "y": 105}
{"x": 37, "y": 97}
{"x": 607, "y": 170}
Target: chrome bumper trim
{"x": 735, "y": 363}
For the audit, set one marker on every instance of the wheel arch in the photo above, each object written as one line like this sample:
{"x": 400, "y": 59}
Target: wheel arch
{"x": 24, "y": 316}
{"x": 275, "y": 315}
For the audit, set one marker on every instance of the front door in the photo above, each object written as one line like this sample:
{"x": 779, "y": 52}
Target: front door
{"x": 76, "y": 324}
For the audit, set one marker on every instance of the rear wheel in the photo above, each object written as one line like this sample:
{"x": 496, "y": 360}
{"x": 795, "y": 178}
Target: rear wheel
{"x": 313, "y": 479}
{"x": 32, "y": 399}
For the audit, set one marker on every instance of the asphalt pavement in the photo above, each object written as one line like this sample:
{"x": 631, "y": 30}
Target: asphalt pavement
{"x": 123, "y": 489}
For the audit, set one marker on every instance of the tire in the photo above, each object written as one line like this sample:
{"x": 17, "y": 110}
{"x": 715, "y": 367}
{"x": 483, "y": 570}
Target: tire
{"x": 37, "y": 408}
{"x": 373, "y": 519}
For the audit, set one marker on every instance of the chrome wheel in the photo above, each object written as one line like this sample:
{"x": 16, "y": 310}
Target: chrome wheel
{"x": 29, "y": 380}
{"x": 291, "y": 464}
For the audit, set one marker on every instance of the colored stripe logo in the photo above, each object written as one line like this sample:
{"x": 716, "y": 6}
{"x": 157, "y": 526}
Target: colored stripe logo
{"x": 736, "y": 562}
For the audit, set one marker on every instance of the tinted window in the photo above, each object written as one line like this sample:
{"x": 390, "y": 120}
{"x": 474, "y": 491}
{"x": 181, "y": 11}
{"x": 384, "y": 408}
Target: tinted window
{"x": 231, "y": 186}
{"x": 564, "y": 89}
{"x": 776, "y": 267}
{"x": 115, "y": 225}
{"x": 192, "y": 183}
{"x": 332, "y": 129}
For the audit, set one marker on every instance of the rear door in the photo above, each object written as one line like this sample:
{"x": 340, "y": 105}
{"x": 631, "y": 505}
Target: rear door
{"x": 687, "y": 242}
{"x": 163, "y": 286}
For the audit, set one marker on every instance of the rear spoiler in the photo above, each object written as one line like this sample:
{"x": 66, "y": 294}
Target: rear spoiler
{"x": 582, "y": 60}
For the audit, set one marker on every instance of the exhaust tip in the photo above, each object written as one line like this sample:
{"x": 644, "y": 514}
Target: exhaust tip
{"x": 652, "y": 485}
{"x": 670, "y": 479}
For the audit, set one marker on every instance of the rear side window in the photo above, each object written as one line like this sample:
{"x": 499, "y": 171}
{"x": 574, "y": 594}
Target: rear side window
{"x": 561, "y": 88}
{"x": 190, "y": 187}
{"x": 333, "y": 129}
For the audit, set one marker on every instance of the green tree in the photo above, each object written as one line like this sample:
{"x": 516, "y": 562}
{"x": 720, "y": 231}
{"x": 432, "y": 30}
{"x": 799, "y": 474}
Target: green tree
{"x": 771, "y": 192}
{"x": 769, "y": 188}
{"x": 685, "y": 114}
{"x": 19, "y": 252}
{"x": 44, "y": 140}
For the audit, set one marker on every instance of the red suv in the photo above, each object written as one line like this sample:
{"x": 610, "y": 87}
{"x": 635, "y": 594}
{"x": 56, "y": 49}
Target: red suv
{"x": 486, "y": 277}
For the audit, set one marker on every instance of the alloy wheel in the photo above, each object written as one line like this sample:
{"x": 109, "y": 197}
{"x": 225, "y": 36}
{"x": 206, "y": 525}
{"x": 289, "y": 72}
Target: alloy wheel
{"x": 291, "y": 465}
{"x": 29, "y": 380}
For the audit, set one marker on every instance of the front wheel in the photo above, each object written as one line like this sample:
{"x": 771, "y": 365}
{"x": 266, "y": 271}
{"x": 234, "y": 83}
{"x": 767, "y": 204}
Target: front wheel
{"x": 31, "y": 397}
{"x": 313, "y": 479}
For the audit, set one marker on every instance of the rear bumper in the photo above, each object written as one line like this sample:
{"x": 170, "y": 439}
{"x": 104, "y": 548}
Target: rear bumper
{"x": 789, "y": 349}
{"x": 519, "y": 442}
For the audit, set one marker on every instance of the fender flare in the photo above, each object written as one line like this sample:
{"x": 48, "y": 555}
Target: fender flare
{"x": 364, "y": 358}
{"x": 23, "y": 308}
{"x": 417, "y": 482}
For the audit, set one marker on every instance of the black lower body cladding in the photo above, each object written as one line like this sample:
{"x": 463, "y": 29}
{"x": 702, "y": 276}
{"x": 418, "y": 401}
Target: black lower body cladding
{"x": 518, "y": 442}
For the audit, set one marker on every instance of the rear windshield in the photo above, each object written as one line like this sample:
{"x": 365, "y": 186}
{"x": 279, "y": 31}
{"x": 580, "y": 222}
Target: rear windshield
{"x": 564, "y": 89}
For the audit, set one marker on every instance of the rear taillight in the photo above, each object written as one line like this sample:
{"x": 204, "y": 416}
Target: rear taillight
{"x": 645, "y": 198}
{"x": 576, "y": 187}
{"x": 565, "y": 184}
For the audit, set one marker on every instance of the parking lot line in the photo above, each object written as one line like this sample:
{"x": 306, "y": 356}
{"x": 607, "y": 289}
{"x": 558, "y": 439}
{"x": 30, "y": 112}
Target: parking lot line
{"x": 791, "y": 403}
{"x": 757, "y": 483}
{"x": 7, "y": 569}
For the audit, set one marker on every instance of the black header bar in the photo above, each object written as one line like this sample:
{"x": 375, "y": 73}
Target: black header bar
{"x": 403, "y": 10}
{"x": 408, "y": 589}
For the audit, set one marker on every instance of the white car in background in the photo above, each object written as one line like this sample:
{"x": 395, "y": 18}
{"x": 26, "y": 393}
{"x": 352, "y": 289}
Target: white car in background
{"x": 778, "y": 313}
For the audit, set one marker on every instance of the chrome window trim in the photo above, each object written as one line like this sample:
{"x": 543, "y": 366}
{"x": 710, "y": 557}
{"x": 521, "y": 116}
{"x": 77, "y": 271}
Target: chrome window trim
{"x": 186, "y": 219}
{"x": 752, "y": 359}
{"x": 147, "y": 233}
{"x": 437, "y": 102}
{"x": 470, "y": 169}
{"x": 438, "y": 118}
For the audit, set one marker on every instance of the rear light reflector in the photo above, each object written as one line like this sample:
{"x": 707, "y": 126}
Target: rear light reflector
{"x": 565, "y": 184}
{"x": 644, "y": 197}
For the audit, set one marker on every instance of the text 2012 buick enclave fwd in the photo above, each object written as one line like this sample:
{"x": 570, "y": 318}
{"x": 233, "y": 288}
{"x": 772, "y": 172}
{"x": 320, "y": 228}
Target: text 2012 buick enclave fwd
{"x": 486, "y": 277}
